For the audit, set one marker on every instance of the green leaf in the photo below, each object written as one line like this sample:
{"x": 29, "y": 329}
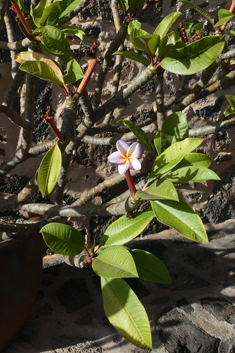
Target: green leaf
{"x": 135, "y": 3}
{"x": 198, "y": 9}
{"x": 194, "y": 159}
{"x": 224, "y": 16}
{"x": 174, "y": 128}
{"x": 73, "y": 30}
{"x": 124, "y": 5}
{"x": 126, "y": 313}
{"x": 149, "y": 267}
{"x": 230, "y": 110}
{"x": 74, "y": 72}
{"x": 42, "y": 11}
{"x": 42, "y": 70}
{"x": 54, "y": 42}
{"x": 195, "y": 57}
{"x": 41, "y": 66}
{"x": 158, "y": 142}
{"x": 125, "y": 229}
{"x": 159, "y": 190}
{"x": 62, "y": 10}
{"x": 166, "y": 43}
{"x": 49, "y": 170}
{"x": 172, "y": 156}
{"x": 180, "y": 216}
{"x": 140, "y": 135}
{"x": 166, "y": 24}
{"x": 231, "y": 99}
{"x": 114, "y": 262}
{"x": 63, "y": 239}
{"x": 133, "y": 56}
{"x": 189, "y": 174}
{"x": 141, "y": 39}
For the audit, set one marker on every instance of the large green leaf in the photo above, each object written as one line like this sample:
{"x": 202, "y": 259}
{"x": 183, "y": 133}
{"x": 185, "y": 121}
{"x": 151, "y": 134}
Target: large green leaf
{"x": 194, "y": 159}
{"x": 195, "y": 57}
{"x": 224, "y": 16}
{"x": 159, "y": 190}
{"x": 125, "y": 312}
{"x": 141, "y": 39}
{"x": 133, "y": 56}
{"x": 114, "y": 262}
{"x": 200, "y": 10}
{"x": 166, "y": 43}
{"x": 43, "y": 10}
{"x": 174, "y": 128}
{"x": 180, "y": 216}
{"x": 191, "y": 174}
{"x": 49, "y": 170}
{"x": 63, "y": 239}
{"x": 41, "y": 66}
{"x": 54, "y": 42}
{"x": 125, "y": 229}
{"x": 74, "y": 72}
{"x": 62, "y": 10}
{"x": 141, "y": 135}
{"x": 172, "y": 156}
{"x": 149, "y": 267}
{"x": 166, "y": 24}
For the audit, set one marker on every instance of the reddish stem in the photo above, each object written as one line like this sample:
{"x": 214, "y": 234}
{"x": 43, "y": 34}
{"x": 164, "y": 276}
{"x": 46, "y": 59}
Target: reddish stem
{"x": 56, "y": 131}
{"x": 130, "y": 183}
{"x": 88, "y": 73}
{"x": 28, "y": 32}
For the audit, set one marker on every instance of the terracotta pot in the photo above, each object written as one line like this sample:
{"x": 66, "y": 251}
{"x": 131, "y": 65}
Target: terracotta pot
{"x": 20, "y": 276}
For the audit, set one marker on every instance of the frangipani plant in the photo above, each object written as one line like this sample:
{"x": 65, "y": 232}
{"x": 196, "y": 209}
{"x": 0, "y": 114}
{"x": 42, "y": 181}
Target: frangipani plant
{"x": 170, "y": 155}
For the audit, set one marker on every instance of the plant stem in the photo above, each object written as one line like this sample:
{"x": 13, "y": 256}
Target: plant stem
{"x": 88, "y": 73}
{"x": 28, "y": 32}
{"x": 130, "y": 183}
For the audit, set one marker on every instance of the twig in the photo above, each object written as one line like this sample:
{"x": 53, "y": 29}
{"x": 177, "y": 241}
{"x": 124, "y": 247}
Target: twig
{"x": 211, "y": 129}
{"x": 11, "y": 39}
{"x": 159, "y": 92}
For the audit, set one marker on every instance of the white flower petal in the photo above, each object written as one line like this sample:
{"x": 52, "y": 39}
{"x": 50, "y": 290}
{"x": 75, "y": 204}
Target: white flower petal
{"x": 115, "y": 157}
{"x": 122, "y": 147}
{"x": 134, "y": 164}
{"x": 135, "y": 150}
{"x": 122, "y": 168}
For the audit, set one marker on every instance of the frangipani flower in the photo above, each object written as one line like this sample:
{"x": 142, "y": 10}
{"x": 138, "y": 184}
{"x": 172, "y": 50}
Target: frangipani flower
{"x": 126, "y": 156}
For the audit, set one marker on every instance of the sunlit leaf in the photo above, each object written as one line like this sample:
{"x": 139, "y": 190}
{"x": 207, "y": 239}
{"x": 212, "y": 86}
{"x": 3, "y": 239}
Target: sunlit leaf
{"x": 49, "y": 170}
{"x": 125, "y": 312}
{"x": 200, "y": 10}
{"x": 62, "y": 10}
{"x": 125, "y": 229}
{"x": 63, "y": 239}
{"x": 224, "y": 16}
{"x": 159, "y": 190}
{"x": 180, "y": 216}
{"x": 114, "y": 262}
{"x": 166, "y": 24}
{"x": 133, "y": 56}
{"x": 194, "y": 159}
{"x": 74, "y": 72}
{"x": 191, "y": 174}
{"x": 73, "y": 30}
{"x": 174, "y": 128}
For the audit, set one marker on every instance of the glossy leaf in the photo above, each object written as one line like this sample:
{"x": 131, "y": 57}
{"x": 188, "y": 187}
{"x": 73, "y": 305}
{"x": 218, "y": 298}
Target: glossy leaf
{"x": 125, "y": 229}
{"x": 125, "y": 312}
{"x": 140, "y": 135}
{"x": 191, "y": 174}
{"x": 49, "y": 170}
{"x": 166, "y": 24}
{"x": 149, "y": 267}
{"x": 73, "y": 30}
{"x": 63, "y": 239}
{"x": 159, "y": 190}
{"x": 166, "y": 43}
{"x": 200, "y": 10}
{"x": 133, "y": 56}
{"x": 42, "y": 11}
{"x": 230, "y": 110}
{"x": 174, "y": 128}
{"x": 224, "y": 16}
{"x": 74, "y": 72}
{"x": 180, "y": 216}
{"x": 172, "y": 156}
{"x": 114, "y": 262}
{"x": 141, "y": 39}
{"x": 62, "y": 10}
{"x": 194, "y": 159}
{"x": 195, "y": 57}
{"x": 54, "y": 42}
{"x": 41, "y": 66}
